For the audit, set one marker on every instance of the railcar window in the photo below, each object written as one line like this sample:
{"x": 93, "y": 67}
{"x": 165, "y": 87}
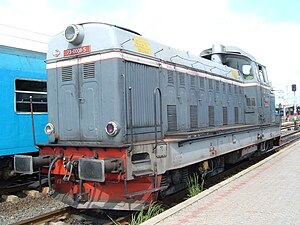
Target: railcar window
{"x": 26, "y": 88}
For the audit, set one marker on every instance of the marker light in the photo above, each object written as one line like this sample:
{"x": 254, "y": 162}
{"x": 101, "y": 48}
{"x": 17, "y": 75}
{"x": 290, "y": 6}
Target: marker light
{"x": 49, "y": 128}
{"x": 112, "y": 128}
{"x": 74, "y": 34}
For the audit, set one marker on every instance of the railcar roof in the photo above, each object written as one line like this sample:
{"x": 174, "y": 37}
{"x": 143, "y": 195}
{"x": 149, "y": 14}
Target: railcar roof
{"x": 100, "y": 37}
{"x": 25, "y": 52}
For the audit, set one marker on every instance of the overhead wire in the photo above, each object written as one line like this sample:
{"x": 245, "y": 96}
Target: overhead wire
{"x": 18, "y": 28}
{"x": 28, "y": 39}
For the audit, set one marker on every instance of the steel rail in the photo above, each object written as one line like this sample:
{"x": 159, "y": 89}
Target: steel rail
{"x": 47, "y": 217}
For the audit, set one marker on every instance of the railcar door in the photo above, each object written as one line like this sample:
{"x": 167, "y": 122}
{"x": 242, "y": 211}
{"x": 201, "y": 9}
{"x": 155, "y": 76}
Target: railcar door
{"x": 89, "y": 107}
{"x": 68, "y": 108}
{"x": 264, "y": 93}
{"x": 78, "y": 104}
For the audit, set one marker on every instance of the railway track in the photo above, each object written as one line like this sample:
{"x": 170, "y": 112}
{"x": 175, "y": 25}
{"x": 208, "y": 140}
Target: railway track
{"x": 124, "y": 219}
{"x": 21, "y": 183}
{"x": 47, "y": 217}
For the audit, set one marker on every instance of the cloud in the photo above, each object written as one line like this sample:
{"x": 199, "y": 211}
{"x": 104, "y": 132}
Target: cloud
{"x": 193, "y": 25}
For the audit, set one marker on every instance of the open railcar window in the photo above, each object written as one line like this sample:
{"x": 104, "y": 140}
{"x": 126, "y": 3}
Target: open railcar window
{"x": 26, "y": 88}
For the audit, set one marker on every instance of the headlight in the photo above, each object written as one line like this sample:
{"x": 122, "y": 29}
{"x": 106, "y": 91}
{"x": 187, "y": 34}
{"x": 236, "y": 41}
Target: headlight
{"x": 49, "y": 129}
{"x": 74, "y": 34}
{"x": 112, "y": 128}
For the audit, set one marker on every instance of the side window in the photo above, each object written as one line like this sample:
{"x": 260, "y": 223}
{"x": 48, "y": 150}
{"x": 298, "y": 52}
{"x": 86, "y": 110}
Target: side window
{"x": 26, "y": 88}
{"x": 247, "y": 72}
{"x": 262, "y": 74}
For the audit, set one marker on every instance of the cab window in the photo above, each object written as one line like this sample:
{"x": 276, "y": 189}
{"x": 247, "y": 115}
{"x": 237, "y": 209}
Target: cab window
{"x": 241, "y": 64}
{"x": 262, "y": 74}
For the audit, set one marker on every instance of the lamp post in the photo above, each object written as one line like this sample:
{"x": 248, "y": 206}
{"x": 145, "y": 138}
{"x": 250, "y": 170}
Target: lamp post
{"x": 295, "y": 108}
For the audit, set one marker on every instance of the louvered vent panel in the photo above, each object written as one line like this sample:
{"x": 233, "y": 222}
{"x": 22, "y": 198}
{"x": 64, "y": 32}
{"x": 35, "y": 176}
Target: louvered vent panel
{"x": 217, "y": 86}
{"x": 193, "y": 81}
{"x": 201, "y": 82}
{"x": 172, "y": 117}
{"x": 193, "y": 116}
{"x": 181, "y": 79}
{"x": 224, "y": 87}
{"x": 66, "y": 73}
{"x": 210, "y": 84}
{"x": 248, "y": 101}
{"x": 170, "y": 77}
{"x": 89, "y": 71}
{"x": 211, "y": 116}
{"x": 236, "y": 115}
{"x": 225, "y": 116}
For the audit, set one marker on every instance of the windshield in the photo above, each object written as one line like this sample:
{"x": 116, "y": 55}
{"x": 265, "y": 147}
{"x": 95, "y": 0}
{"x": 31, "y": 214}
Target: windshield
{"x": 241, "y": 64}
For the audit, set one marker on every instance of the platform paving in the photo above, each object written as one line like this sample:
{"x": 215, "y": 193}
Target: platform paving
{"x": 266, "y": 193}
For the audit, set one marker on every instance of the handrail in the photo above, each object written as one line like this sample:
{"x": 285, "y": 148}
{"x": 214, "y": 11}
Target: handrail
{"x": 130, "y": 118}
{"x": 155, "y": 115}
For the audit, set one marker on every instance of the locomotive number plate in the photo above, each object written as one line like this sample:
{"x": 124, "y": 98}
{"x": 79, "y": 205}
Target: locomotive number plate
{"x": 77, "y": 51}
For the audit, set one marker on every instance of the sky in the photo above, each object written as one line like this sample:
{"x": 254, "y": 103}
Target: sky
{"x": 268, "y": 30}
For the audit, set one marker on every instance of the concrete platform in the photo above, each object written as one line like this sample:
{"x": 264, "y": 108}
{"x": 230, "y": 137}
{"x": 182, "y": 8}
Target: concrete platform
{"x": 266, "y": 193}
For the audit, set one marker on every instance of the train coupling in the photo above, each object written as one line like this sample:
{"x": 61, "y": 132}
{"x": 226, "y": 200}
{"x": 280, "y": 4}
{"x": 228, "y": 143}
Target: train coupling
{"x": 27, "y": 164}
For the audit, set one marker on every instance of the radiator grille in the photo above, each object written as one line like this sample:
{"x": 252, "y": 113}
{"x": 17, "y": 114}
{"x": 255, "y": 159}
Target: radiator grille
{"x": 193, "y": 116}
{"x": 248, "y": 101}
{"x": 217, "y": 85}
{"x": 89, "y": 71}
{"x": 170, "y": 77}
{"x": 210, "y": 84}
{"x": 172, "y": 117}
{"x": 181, "y": 79}
{"x": 225, "y": 116}
{"x": 236, "y": 115}
{"x": 224, "y": 87}
{"x": 66, "y": 73}
{"x": 202, "y": 82}
{"x": 211, "y": 116}
{"x": 193, "y": 81}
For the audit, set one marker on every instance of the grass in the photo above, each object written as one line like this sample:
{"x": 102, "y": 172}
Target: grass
{"x": 194, "y": 187}
{"x": 144, "y": 215}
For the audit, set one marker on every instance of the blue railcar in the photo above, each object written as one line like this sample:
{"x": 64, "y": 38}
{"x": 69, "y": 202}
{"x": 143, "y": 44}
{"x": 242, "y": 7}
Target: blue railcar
{"x": 22, "y": 74}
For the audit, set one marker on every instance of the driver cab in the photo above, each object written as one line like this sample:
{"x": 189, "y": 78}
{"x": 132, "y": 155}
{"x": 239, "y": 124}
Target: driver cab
{"x": 250, "y": 70}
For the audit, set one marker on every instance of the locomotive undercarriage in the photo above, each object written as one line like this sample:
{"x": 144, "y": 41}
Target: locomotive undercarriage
{"x": 130, "y": 177}
{"x": 6, "y": 168}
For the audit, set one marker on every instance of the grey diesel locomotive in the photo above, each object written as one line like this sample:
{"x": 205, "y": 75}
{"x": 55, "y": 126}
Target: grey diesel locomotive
{"x": 130, "y": 119}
